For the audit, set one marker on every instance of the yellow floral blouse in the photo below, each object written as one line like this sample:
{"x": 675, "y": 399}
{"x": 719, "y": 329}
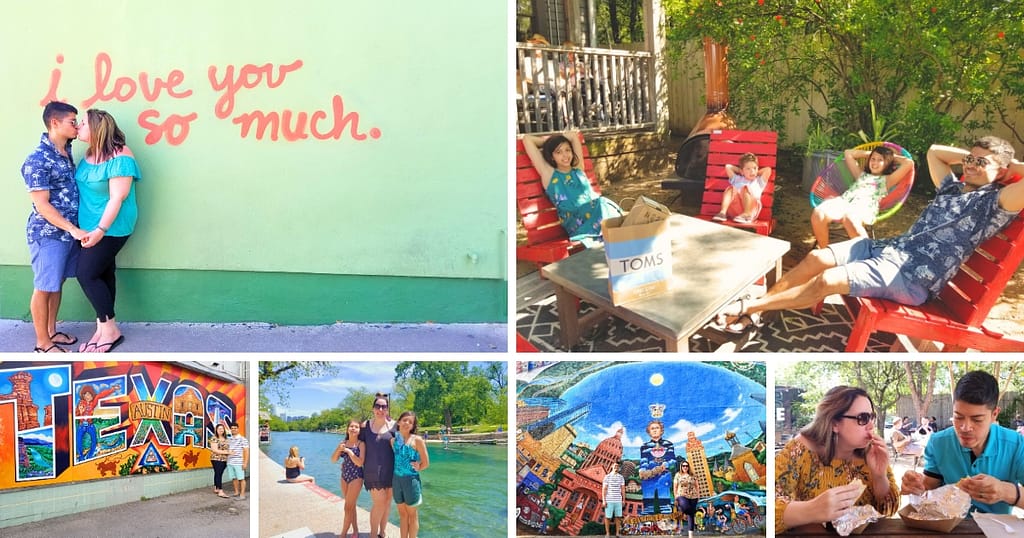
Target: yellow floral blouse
{"x": 800, "y": 476}
{"x": 685, "y": 485}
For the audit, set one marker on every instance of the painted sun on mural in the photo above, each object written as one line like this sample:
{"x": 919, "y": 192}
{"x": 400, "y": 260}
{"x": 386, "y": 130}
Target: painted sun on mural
{"x": 62, "y": 422}
{"x": 685, "y": 441}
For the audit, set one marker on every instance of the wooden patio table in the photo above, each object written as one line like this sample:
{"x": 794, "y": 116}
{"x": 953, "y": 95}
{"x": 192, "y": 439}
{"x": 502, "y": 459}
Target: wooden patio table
{"x": 890, "y": 527}
{"x": 712, "y": 266}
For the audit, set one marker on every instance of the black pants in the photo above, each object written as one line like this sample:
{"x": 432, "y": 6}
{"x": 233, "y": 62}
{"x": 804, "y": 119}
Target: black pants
{"x": 688, "y": 507}
{"x": 96, "y": 275}
{"x": 218, "y": 473}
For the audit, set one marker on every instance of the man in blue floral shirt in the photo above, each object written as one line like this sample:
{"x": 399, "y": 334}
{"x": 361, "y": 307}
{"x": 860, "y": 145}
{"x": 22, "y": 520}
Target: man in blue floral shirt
{"x": 52, "y": 228}
{"x": 910, "y": 268}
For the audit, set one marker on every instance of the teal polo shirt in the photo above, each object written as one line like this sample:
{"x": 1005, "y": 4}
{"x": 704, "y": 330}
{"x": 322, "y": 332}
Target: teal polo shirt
{"x": 1002, "y": 458}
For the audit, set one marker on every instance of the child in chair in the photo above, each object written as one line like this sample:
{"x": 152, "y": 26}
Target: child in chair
{"x": 746, "y": 181}
{"x": 858, "y": 206}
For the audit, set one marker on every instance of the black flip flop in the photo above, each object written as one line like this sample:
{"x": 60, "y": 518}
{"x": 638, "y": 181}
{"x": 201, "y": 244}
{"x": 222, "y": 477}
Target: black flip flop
{"x": 72, "y": 340}
{"x": 111, "y": 345}
{"x": 47, "y": 350}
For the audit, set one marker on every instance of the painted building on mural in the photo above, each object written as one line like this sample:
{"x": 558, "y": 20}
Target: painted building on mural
{"x": 75, "y": 426}
{"x": 649, "y": 417}
{"x": 340, "y": 176}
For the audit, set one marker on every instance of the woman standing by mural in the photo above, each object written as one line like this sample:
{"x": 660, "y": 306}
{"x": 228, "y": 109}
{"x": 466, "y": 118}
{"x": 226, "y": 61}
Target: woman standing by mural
{"x": 219, "y": 451}
{"x": 684, "y": 486}
{"x": 835, "y": 462}
{"x": 379, "y": 463}
{"x": 410, "y": 459}
{"x": 106, "y": 182}
{"x": 351, "y": 452}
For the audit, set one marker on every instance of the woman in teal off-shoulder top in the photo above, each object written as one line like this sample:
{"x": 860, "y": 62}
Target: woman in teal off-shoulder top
{"x": 580, "y": 208}
{"x": 106, "y": 182}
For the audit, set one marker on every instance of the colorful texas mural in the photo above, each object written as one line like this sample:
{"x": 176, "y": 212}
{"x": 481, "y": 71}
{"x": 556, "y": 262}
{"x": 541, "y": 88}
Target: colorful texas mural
{"x": 574, "y": 419}
{"x": 63, "y": 422}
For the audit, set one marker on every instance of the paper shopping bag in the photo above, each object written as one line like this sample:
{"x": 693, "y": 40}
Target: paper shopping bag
{"x": 639, "y": 259}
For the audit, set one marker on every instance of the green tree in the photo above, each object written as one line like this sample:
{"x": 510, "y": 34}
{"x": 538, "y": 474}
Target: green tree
{"x": 446, "y": 392}
{"x": 929, "y": 65}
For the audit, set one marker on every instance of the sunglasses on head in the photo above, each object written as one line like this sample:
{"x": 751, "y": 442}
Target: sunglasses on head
{"x": 382, "y": 395}
{"x": 862, "y": 418}
{"x": 980, "y": 162}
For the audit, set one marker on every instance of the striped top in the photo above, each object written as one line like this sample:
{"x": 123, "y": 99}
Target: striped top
{"x": 612, "y": 486}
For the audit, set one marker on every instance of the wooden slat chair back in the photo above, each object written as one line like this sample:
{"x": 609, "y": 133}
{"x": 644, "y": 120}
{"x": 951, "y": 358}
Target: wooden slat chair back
{"x": 956, "y": 316}
{"x": 546, "y": 240}
{"x": 835, "y": 179}
{"x": 725, "y": 147}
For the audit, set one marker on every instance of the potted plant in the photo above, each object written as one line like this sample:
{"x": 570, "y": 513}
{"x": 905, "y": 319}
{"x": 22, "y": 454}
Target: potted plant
{"x": 820, "y": 153}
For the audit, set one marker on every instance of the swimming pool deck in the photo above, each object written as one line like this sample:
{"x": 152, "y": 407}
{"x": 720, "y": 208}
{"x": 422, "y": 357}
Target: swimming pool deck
{"x": 303, "y": 510}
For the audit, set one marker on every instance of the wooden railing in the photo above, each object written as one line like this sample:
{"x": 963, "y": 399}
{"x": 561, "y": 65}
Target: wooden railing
{"x": 582, "y": 88}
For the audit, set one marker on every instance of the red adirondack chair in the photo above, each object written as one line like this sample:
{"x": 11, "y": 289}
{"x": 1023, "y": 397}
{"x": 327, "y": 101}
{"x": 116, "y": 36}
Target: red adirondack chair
{"x": 956, "y": 316}
{"x": 546, "y": 240}
{"x": 725, "y": 147}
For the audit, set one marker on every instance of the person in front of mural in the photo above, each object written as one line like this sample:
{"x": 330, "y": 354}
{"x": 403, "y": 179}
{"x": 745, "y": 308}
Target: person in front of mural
{"x": 837, "y": 461}
{"x": 684, "y": 487}
{"x": 351, "y": 452}
{"x": 220, "y": 449}
{"x": 857, "y": 207}
{"x": 657, "y": 464}
{"x": 613, "y": 494}
{"x": 912, "y": 267}
{"x": 746, "y": 181}
{"x": 558, "y": 160}
{"x": 981, "y": 457}
{"x": 52, "y": 227}
{"x": 379, "y": 462}
{"x": 238, "y": 461}
{"x": 106, "y": 182}
{"x": 294, "y": 465}
{"x": 411, "y": 459}
{"x": 88, "y": 399}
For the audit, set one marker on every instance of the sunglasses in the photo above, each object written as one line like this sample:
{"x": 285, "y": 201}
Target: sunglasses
{"x": 380, "y": 406}
{"x": 382, "y": 395}
{"x": 862, "y": 418}
{"x": 980, "y": 162}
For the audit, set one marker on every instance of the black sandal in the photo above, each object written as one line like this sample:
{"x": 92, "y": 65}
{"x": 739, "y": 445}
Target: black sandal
{"x": 71, "y": 340}
{"x": 47, "y": 350}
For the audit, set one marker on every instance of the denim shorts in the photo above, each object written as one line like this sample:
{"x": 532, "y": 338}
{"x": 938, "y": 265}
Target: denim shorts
{"x": 52, "y": 262}
{"x": 407, "y": 490}
{"x": 873, "y": 272}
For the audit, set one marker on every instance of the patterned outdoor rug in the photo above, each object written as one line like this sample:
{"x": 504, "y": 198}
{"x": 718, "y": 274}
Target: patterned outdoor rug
{"x": 789, "y": 331}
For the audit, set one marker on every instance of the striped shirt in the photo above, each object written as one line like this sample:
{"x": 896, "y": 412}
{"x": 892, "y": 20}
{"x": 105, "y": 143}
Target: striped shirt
{"x": 612, "y": 485}
{"x": 236, "y": 444}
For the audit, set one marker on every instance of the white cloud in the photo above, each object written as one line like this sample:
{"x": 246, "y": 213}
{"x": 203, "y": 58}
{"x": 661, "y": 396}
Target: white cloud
{"x": 677, "y": 432}
{"x": 38, "y": 437}
{"x": 730, "y": 414}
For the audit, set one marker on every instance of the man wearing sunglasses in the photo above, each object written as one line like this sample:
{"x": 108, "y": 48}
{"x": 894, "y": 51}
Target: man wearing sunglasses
{"x": 909, "y": 268}
{"x": 983, "y": 458}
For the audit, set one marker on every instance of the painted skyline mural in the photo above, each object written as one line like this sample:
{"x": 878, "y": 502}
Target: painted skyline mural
{"x": 575, "y": 418}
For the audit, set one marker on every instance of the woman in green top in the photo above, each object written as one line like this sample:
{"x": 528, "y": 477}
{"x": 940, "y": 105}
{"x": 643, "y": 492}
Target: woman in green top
{"x": 106, "y": 182}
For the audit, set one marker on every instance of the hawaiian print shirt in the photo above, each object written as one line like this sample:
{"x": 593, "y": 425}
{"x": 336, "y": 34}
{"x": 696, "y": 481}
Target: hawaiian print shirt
{"x": 46, "y": 169}
{"x": 947, "y": 232}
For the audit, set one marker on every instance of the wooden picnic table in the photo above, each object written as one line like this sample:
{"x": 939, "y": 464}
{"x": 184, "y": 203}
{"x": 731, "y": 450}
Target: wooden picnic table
{"x": 712, "y": 266}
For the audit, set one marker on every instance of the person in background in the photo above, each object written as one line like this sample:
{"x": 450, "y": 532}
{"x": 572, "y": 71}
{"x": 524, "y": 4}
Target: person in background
{"x": 294, "y": 465}
{"x": 52, "y": 227}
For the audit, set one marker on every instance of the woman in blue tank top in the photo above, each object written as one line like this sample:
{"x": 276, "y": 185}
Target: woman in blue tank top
{"x": 410, "y": 458}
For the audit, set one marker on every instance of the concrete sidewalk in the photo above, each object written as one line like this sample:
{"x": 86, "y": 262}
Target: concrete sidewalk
{"x": 303, "y": 510}
{"x": 181, "y": 515}
{"x": 18, "y": 336}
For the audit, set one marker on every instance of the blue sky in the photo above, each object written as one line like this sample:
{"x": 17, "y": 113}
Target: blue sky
{"x": 312, "y": 395}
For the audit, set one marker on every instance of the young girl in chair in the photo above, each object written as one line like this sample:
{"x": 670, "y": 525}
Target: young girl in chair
{"x": 746, "y": 181}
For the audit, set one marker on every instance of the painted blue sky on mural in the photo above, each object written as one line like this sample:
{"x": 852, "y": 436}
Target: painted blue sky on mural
{"x": 707, "y": 400}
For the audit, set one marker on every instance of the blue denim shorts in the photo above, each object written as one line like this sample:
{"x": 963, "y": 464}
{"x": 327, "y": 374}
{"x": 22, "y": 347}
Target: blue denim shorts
{"x": 871, "y": 272}
{"x": 52, "y": 262}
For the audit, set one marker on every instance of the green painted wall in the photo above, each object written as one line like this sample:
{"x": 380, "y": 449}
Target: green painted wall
{"x": 406, "y": 205}
{"x": 284, "y": 298}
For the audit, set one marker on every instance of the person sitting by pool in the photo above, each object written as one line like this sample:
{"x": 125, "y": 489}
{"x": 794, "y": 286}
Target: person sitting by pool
{"x": 293, "y": 466}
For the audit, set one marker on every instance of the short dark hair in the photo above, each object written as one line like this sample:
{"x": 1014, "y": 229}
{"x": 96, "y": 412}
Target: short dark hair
{"x": 232, "y": 424}
{"x": 56, "y": 110}
{"x": 977, "y": 388}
